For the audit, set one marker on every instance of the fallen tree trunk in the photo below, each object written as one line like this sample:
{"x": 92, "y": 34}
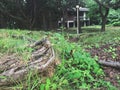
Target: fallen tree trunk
{"x": 110, "y": 63}
{"x": 12, "y": 70}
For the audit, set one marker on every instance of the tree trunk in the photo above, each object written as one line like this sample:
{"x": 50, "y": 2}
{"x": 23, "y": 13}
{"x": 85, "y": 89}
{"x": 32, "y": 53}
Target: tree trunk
{"x": 50, "y": 20}
{"x": 2, "y": 21}
{"x": 44, "y": 22}
{"x": 103, "y": 13}
{"x": 103, "y": 24}
{"x": 63, "y": 22}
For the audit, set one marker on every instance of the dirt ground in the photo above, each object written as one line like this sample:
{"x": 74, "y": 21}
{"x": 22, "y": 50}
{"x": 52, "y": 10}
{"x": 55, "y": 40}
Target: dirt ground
{"x": 108, "y": 52}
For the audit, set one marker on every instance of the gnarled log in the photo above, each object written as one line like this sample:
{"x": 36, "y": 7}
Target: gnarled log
{"x": 12, "y": 70}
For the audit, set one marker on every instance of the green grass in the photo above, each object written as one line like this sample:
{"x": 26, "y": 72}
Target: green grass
{"x": 92, "y": 37}
{"x": 77, "y": 69}
{"x": 10, "y": 44}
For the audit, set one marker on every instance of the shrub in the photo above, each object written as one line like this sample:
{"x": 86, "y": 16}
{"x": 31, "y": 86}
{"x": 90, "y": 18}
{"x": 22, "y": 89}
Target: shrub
{"x": 116, "y": 24}
{"x": 114, "y": 17}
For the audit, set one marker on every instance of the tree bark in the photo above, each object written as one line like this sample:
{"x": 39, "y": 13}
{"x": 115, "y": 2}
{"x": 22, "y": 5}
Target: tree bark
{"x": 103, "y": 13}
{"x": 64, "y": 16}
{"x": 2, "y": 21}
{"x": 103, "y": 24}
{"x": 33, "y": 20}
{"x": 44, "y": 21}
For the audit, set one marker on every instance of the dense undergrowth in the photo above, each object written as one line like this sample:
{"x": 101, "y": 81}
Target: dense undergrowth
{"x": 76, "y": 71}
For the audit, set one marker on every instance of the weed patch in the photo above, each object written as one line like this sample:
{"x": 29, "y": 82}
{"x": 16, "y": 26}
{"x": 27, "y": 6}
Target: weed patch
{"x": 77, "y": 69}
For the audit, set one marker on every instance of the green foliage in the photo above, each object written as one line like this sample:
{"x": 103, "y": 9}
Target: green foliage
{"x": 93, "y": 13}
{"x": 110, "y": 36}
{"x": 116, "y": 23}
{"x": 114, "y": 17}
{"x": 112, "y": 51}
{"x": 10, "y": 45}
{"x": 31, "y": 82}
{"x": 77, "y": 69}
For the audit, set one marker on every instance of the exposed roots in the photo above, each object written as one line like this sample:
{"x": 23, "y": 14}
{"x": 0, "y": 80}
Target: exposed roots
{"x": 12, "y": 70}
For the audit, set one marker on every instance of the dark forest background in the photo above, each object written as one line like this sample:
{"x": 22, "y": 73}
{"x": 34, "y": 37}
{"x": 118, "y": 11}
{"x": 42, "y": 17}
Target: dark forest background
{"x": 44, "y": 14}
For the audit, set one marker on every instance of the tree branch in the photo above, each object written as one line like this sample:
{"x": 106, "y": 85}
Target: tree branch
{"x": 110, "y": 63}
{"x": 101, "y": 4}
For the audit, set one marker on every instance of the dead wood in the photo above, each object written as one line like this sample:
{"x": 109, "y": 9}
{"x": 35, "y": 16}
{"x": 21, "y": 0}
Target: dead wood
{"x": 110, "y": 63}
{"x": 12, "y": 70}
{"x": 41, "y": 42}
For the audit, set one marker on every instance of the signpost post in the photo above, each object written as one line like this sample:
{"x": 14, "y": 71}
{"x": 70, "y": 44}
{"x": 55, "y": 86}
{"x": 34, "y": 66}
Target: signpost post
{"x": 78, "y": 20}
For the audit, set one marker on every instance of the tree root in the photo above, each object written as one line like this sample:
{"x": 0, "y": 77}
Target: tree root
{"x": 12, "y": 70}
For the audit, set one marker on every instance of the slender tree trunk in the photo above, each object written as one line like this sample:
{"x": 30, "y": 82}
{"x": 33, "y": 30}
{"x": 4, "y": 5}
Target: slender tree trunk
{"x": 2, "y": 21}
{"x": 33, "y": 20}
{"x": 103, "y": 13}
{"x": 103, "y": 24}
{"x": 44, "y": 22}
{"x": 63, "y": 22}
{"x": 50, "y": 20}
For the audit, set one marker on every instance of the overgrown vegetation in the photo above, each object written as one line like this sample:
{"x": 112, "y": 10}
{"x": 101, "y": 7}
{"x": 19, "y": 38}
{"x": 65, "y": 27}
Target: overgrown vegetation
{"x": 114, "y": 17}
{"x": 111, "y": 36}
{"x": 16, "y": 41}
{"x": 77, "y": 69}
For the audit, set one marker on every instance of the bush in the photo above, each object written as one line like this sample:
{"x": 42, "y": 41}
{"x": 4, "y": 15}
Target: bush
{"x": 114, "y": 17}
{"x": 116, "y": 24}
